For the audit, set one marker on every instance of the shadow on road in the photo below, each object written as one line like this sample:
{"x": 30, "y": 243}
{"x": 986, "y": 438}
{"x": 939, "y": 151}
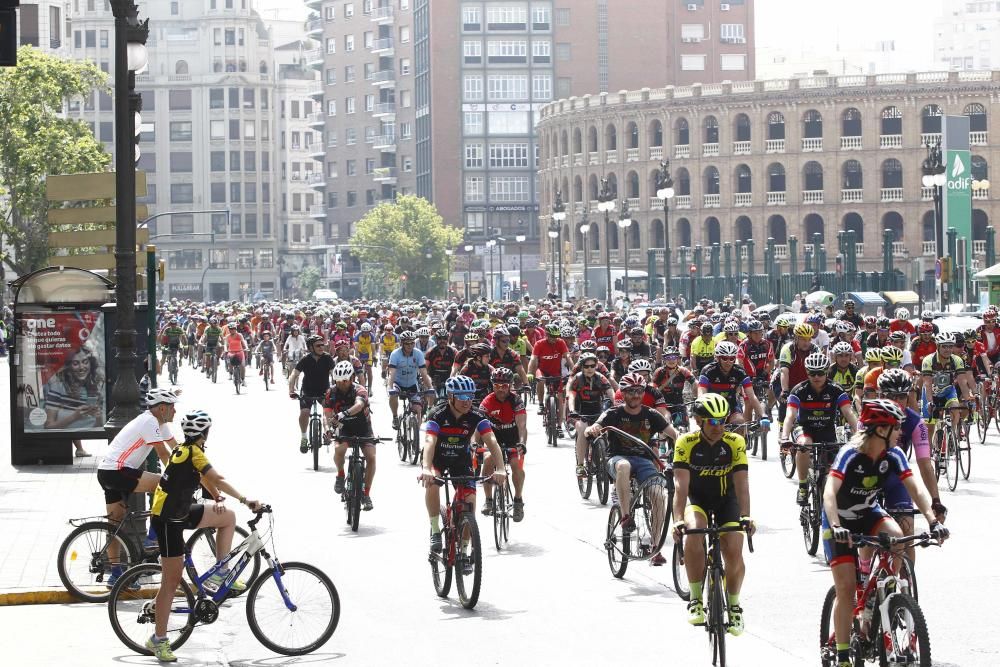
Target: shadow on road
{"x": 483, "y": 611}
{"x": 312, "y": 658}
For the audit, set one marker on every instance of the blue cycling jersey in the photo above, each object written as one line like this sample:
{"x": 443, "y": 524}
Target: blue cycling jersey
{"x": 407, "y": 366}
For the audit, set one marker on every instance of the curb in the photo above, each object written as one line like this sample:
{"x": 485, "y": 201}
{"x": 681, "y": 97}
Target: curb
{"x": 48, "y": 596}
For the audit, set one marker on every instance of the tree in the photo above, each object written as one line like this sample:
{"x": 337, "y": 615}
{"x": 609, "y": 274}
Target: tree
{"x": 35, "y": 142}
{"x": 408, "y": 238}
{"x": 309, "y": 281}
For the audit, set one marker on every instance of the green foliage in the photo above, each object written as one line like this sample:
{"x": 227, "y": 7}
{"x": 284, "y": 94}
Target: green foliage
{"x": 400, "y": 236}
{"x": 35, "y": 142}
{"x": 309, "y": 281}
{"x": 375, "y": 282}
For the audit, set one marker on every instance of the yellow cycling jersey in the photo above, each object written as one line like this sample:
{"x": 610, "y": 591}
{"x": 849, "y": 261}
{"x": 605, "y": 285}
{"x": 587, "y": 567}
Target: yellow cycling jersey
{"x": 364, "y": 343}
{"x": 700, "y": 348}
{"x": 711, "y": 464}
{"x": 389, "y": 343}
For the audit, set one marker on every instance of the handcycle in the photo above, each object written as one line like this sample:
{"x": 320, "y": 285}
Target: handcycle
{"x": 644, "y": 537}
{"x": 811, "y": 515}
{"x": 462, "y": 554}
{"x": 596, "y": 464}
{"x": 304, "y": 605}
{"x": 716, "y": 605}
{"x": 354, "y": 482}
{"x": 888, "y": 626}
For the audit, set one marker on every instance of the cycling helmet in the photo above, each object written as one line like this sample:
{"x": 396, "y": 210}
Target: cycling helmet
{"x": 880, "y": 412}
{"x": 783, "y": 321}
{"x": 173, "y": 320}
{"x": 882, "y": 323}
{"x": 715, "y": 318}
{"x": 815, "y": 318}
{"x": 636, "y": 331}
{"x": 567, "y": 332}
{"x": 870, "y": 321}
{"x": 441, "y": 333}
{"x": 843, "y": 347}
{"x": 342, "y": 325}
{"x": 731, "y": 328}
{"x": 891, "y": 354}
{"x": 848, "y": 303}
{"x": 897, "y": 335}
{"x": 839, "y": 314}
{"x": 816, "y": 362}
{"x": 196, "y": 424}
{"x": 671, "y": 321}
{"x": 460, "y": 384}
{"x": 501, "y": 331}
{"x": 873, "y": 355}
{"x": 945, "y": 338}
{"x": 843, "y": 327}
{"x": 502, "y": 376}
{"x": 471, "y": 337}
{"x": 341, "y": 342}
{"x": 553, "y": 330}
{"x": 971, "y": 334}
{"x": 902, "y": 314}
{"x": 313, "y": 339}
{"x": 927, "y": 315}
{"x": 711, "y": 405}
{"x": 804, "y": 331}
{"x": 387, "y": 327}
{"x": 895, "y": 381}
{"x": 755, "y": 325}
{"x": 156, "y": 397}
{"x": 625, "y": 344}
{"x": 603, "y": 348}
{"x": 423, "y": 332}
{"x": 344, "y": 370}
{"x": 479, "y": 349}
{"x": 640, "y": 366}
{"x": 588, "y": 356}
{"x": 925, "y": 327}
{"x": 514, "y": 330}
{"x": 631, "y": 380}
{"x": 407, "y": 336}
{"x": 707, "y": 328}
{"x": 725, "y": 349}
{"x": 589, "y": 344}
{"x": 671, "y": 351}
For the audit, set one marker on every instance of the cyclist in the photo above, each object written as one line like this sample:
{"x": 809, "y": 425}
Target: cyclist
{"x": 627, "y": 459}
{"x": 702, "y": 349}
{"x": 439, "y": 361}
{"x": 265, "y": 348}
{"x": 210, "y": 342}
{"x": 902, "y": 322}
{"x": 547, "y": 359}
{"x": 342, "y": 352}
{"x": 172, "y": 513}
{"x": 423, "y": 339}
{"x": 724, "y": 377}
{"x": 756, "y": 356}
{"x": 849, "y": 314}
{"x": 941, "y": 378}
{"x": 345, "y": 404}
{"x": 791, "y": 362}
{"x": 503, "y": 356}
{"x": 587, "y": 391}
{"x": 923, "y": 345}
{"x": 172, "y": 338}
{"x": 450, "y": 429}
{"x": 505, "y": 410}
{"x": 477, "y": 367}
{"x": 843, "y": 371}
{"x": 710, "y": 469}
{"x": 366, "y": 348}
{"x": 605, "y": 333}
{"x": 850, "y": 504}
{"x": 670, "y": 380}
{"x": 619, "y": 366}
{"x": 814, "y": 405}
{"x": 236, "y": 353}
{"x": 406, "y": 368}
{"x": 315, "y": 369}
{"x": 388, "y": 342}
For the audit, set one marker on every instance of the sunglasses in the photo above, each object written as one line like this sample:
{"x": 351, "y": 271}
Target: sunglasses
{"x": 715, "y": 421}
{"x": 586, "y": 366}
{"x": 816, "y": 374}
{"x": 633, "y": 391}
{"x": 464, "y": 397}
{"x": 726, "y": 358}
{"x": 501, "y": 384}
{"x": 672, "y": 357}
{"x": 897, "y": 396}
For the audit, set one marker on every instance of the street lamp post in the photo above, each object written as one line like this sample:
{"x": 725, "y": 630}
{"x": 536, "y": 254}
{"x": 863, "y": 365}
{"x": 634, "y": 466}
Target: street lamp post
{"x": 520, "y": 238}
{"x": 130, "y": 57}
{"x": 553, "y": 233}
{"x": 584, "y": 229}
{"x": 500, "y": 241}
{"x": 468, "y": 272}
{"x": 606, "y": 204}
{"x": 491, "y": 244}
{"x": 558, "y": 217}
{"x": 447, "y": 280}
{"x": 624, "y": 222}
{"x": 933, "y": 169}
{"x": 665, "y": 191}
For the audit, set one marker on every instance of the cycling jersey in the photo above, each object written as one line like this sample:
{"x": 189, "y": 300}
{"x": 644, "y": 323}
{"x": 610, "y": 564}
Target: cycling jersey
{"x": 651, "y": 398}
{"x": 454, "y": 437}
{"x": 212, "y": 336}
{"x": 520, "y": 345}
{"x": 179, "y": 481}
{"x": 364, "y": 343}
{"x": 619, "y": 367}
{"x": 235, "y": 344}
{"x": 794, "y": 360}
{"x": 703, "y": 352}
{"x": 862, "y": 477}
{"x": 389, "y": 343}
{"x": 818, "y": 409}
{"x": 502, "y": 415}
{"x": 921, "y": 349}
{"x": 913, "y": 436}
{"x": 852, "y": 317}
{"x": 407, "y": 366}
{"x": 133, "y": 443}
{"x": 606, "y": 337}
{"x": 671, "y": 384}
{"x": 711, "y": 466}
{"x": 589, "y": 393}
{"x": 480, "y": 374}
{"x": 990, "y": 336}
{"x": 439, "y": 360}
{"x": 643, "y": 425}
{"x": 315, "y": 374}
{"x": 509, "y": 359}
{"x": 336, "y": 401}
{"x": 902, "y": 325}
{"x": 727, "y": 384}
{"x": 845, "y": 377}
{"x": 549, "y": 356}
{"x": 266, "y": 349}
{"x": 172, "y": 336}
{"x": 943, "y": 371}
{"x": 295, "y": 345}
{"x": 972, "y": 357}
{"x": 755, "y": 357}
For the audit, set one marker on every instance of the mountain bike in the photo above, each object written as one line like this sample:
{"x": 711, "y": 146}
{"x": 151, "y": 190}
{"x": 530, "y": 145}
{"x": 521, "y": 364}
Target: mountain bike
{"x": 550, "y": 416}
{"x": 172, "y": 364}
{"x": 354, "y": 482}
{"x": 268, "y": 363}
{"x": 314, "y": 433}
{"x": 296, "y": 617}
{"x": 213, "y": 369}
{"x": 596, "y": 465}
{"x": 238, "y": 370}
{"x": 716, "y": 604}
{"x": 462, "y": 554}
{"x": 889, "y": 626}
{"x": 408, "y": 435}
{"x": 811, "y": 515}
{"x": 755, "y": 435}
{"x": 503, "y": 501}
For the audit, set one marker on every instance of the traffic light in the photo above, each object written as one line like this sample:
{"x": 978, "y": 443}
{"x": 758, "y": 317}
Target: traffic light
{"x": 8, "y": 33}
{"x": 693, "y": 269}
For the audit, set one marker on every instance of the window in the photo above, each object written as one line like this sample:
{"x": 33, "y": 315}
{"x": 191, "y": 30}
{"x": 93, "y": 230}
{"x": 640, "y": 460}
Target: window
{"x": 732, "y": 33}
{"x": 352, "y": 198}
{"x": 352, "y": 167}
{"x": 180, "y": 130}
{"x": 473, "y": 156}
{"x": 369, "y": 103}
{"x": 218, "y": 160}
{"x": 541, "y": 50}
{"x": 404, "y": 35}
{"x": 473, "y": 122}
{"x": 692, "y": 32}
{"x": 331, "y": 44}
{"x": 250, "y": 193}
{"x": 404, "y": 66}
{"x": 540, "y": 17}
{"x": 181, "y": 162}
{"x": 348, "y": 10}
{"x": 541, "y": 87}
{"x": 235, "y": 192}
{"x": 333, "y": 200}
{"x": 348, "y": 73}
{"x": 732, "y": 61}
{"x": 509, "y": 155}
{"x": 180, "y": 100}
{"x": 506, "y": 18}
{"x": 349, "y": 105}
{"x": 181, "y": 193}
{"x": 90, "y": 38}
{"x": 407, "y": 164}
{"x": 370, "y": 133}
{"x": 405, "y": 99}
{"x": 234, "y": 129}
{"x": 474, "y": 222}
{"x": 348, "y": 42}
{"x": 506, "y": 87}
{"x": 350, "y": 136}
{"x": 507, "y": 50}
{"x": 218, "y": 193}
{"x": 230, "y": 37}
{"x": 182, "y": 224}
{"x": 509, "y": 188}
{"x": 217, "y": 129}
{"x": 219, "y": 223}
{"x": 330, "y": 13}
{"x": 472, "y": 19}
{"x": 331, "y": 76}
{"x": 472, "y": 85}
{"x": 369, "y": 39}
{"x": 249, "y": 129}
{"x": 406, "y": 130}
{"x": 692, "y": 62}
{"x": 474, "y": 190}
{"x": 249, "y": 98}
{"x": 563, "y": 51}
{"x": 104, "y": 39}
{"x": 562, "y": 16}
{"x": 234, "y": 160}
{"x": 369, "y": 165}
{"x": 472, "y": 49}
{"x": 107, "y": 131}
{"x": 234, "y": 98}
{"x": 250, "y": 225}
{"x": 369, "y": 71}
{"x": 216, "y": 98}
{"x": 366, "y": 7}
{"x": 249, "y": 161}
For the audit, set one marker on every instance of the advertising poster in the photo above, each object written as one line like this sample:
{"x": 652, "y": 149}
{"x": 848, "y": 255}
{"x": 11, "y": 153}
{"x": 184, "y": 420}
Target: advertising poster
{"x": 61, "y": 378}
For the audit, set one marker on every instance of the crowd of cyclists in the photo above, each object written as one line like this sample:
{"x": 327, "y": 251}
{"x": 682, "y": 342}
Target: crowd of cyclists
{"x": 875, "y": 385}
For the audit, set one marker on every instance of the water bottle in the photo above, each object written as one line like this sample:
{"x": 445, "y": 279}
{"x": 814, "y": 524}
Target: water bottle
{"x": 765, "y": 423}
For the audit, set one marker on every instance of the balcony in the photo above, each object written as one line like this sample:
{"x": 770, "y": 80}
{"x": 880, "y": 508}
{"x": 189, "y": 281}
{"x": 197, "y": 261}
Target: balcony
{"x": 979, "y": 247}
{"x": 774, "y": 146}
{"x": 596, "y": 257}
{"x": 385, "y": 175}
{"x": 927, "y": 194}
{"x": 318, "y": 211}
{"x": 317, "y": 150}
{"x": 314, "y": 27}
{"x": 564, "y": 161}
{"x": 711, "y": 201}
{"x": 385, "y": 78}
{"x": 317, "y": 181}
{"x": 316, "y": 93}
{"x": 384, "y": 110}
{"x": 980, "y": 193}
{"x": 633, "y": 204}
{"x": 611, "y": 156}
{"x": 978, "y": 138}
{"x": 635, "y": 256}
{"x": 631, "y": 154}
{"x": 781, "y": 252}
{"x": 812, "y": 144}
{"x": 929, "y": 139}
{"x": 383, "y": 47}
{"x": 850, "y": 144}
{"x": 928, "y": 248}
{"x": 383, "y": 15}
{"x": 891, "y": 195}
{"x": 851, "y": 196}
{"x": 710, "y": 150}
{"x": 615, "y": 255}
{"x": 899, "y": 249}
{"x": 743, "y": 199}
{"x": 656, "y": 152}
{"x": 683, "y": 150}
{"x": 592, "y": 206}
{"x": 775, "y": 198}
{"x": 682, "y": 201}
{"x": 385, "y": 143}
{"x": 594, "y": 158}
{"x": 890, "y": 141}
{"x": 317, "y": 120}
{"x": 655, "y": 204}
{"x": 741, "y": 148}
{"x": 577, "y": 159}
{"x": 812, "y": 196}
{"x": 314, "y": 58}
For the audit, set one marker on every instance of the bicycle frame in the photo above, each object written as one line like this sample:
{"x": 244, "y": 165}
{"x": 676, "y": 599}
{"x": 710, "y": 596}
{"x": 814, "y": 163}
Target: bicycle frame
{"x": 453, "y": 511}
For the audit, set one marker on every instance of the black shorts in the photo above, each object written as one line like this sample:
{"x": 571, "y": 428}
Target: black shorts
{"x": 170, "y": 532}
{"x": 357, "y": 427}
{"x": 305, "y": 402}
{"x": 867, "y": 523}
{"x": 726, "y": 508}
{"x": 118, "y": 484}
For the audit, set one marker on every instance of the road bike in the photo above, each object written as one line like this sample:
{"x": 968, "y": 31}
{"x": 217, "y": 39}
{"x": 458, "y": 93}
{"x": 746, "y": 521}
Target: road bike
{"x": 527, "y": 392}
{"x": 596, "y": 465}
{"x": 550, "y": 415}
{"x": 716, "y": 599}
{"x": 755, "y": 435}
{"x": 237, "y": 371}
{"x": 296, "y": 617}
{"x": 462, "y": 555}
{"x": 945, "y": 449}
{"x": 354, "y": 479}
{"x": 503, "y": 500}
{"x": 172, "y": 364}
{"x": 408, "y": 434}
{"x": 888, "y": 626}
{"x": 811, "y": 514}
{"x": 213, "y": 365}
{"x": 315, "y": 437}
{"x": 85, "y": 564}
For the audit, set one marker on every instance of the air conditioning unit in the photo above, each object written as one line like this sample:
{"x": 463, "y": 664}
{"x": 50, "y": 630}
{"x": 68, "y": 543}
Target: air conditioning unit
{"x": 724, "y": 7}
{"x": 692, "y": 7}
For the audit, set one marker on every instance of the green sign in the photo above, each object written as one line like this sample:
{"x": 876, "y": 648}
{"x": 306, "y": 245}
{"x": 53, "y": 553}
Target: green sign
{"x": 958, "y": 187}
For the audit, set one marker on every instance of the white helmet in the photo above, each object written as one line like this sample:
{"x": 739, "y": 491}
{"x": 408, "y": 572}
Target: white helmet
{"x": 902, "y": 314}
{"x": 843, "y": 347}
{"x": 366, "y": 328}
{"x": 844, "y": 327}
{"x": 158, "y": 396}
{"x": 196, "y": 423}
{"x": 640, "y": 365}
{"x": 726, "y": 349}
{"x": 816, "y": 362}
{"x": 344, "y": 370}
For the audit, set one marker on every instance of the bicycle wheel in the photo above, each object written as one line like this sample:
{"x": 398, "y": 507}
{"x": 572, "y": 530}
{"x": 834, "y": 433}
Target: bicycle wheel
{"x": 717, "y": 617}
{"x": 601, "y": 473}
{"x": 414, "y": 439}
{"x": 937, "y": 452}
{"x": 681, "y": 585}
{"x": 236, "y": 378}
{"x": 215, "y": 369}
{"x": 201, "y": 546}
{"x": 357, "y": 491}
{"x": 908, "y": 573}
{"x": 787, "y": 463}
{"x": 299, "y": 614}
{"x": 951, "y": 464}
{"x": 509, "y": 503}
{"x": 616, "y": 543}
{"x": 827, "y": 639}
{"x": 173, "y": 369}
{"x": 132, "y": 612}
{"x": 402, "y": 442}
{"x": 469, "y": 554}
{"x": 906, "y": 640}
{"x": 809, "y": 517}
{"x": 762, "y": 437}
{"x": 964, "y": 456}
{"x": 585, "y": 483}
{"x": 552, "y": 410}
{"x": 267, "y": 377}
{"x": 982, "y": 413}
{"x": 83, "y": 561}
{"x": 315, "y": 439}
{"x": 441, "y": 570}
{"x": 499, "y": 509}
{"x": 752, "y": 444}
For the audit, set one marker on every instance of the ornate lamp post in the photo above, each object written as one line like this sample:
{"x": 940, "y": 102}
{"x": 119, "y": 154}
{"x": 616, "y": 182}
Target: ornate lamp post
{"x": 665, "y": 191}
{"x": 934, "y": 176}
{"x": 558, "y": 217}
{"x": 584, "y": 229}
{"x": 468, "y": 272}
{"x": 520, "y": 238}
{"x": 606, "y": 204}
{"x": 624, "y": 222}
{"x": 447, "y": 281}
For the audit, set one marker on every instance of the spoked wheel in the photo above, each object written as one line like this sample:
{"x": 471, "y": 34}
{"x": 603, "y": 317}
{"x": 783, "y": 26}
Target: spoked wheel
{"x": 964, "y": 456}
{"x": 402, "y": 442}
{"x": 201, "y": 544}
{"x": 84, "y": 563}
{"x": 681, "y": 585}
{"x": 468, "y": 560}
{"x": 357, "y": 490}
{"x": 236, "y": 378}
{"x": 553, "y": 427}
{"x": 951, "y": 465}
{"x": 132, "y": 613}
{"x": 762, "y": 438}
{"x": 440, "y": 569}
{"x": 717, "y": 618}
{"x": 827, "y": 640}
{"x": 787, "y": 459}
{"x": 752, "y": 445}
{"x": 616, "y": 543}
{"x": 910, "y": 643}
{"x": 215, "y": 370}
{"x": 173, "y": 372}
{"x": 499, "y": 511}
{"x": 809, "y": 518}
{"x": 509, "y": 494}
{"x": 267, "y": 377}
{"x": 414, "y": 439}
{"x": 297, "y": 615}
{"x": 938, "y": 452}
{"x": 601, "y": 472}
{"x": 983, "y": 410}
{"x": 315, "y": 438}
{"x": 585, "y": 483}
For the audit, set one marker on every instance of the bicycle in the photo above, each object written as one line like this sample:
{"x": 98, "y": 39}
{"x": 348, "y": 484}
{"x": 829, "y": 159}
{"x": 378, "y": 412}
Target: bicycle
{"x": 299, "y": 585}
{"x": 268, "y": 372}
{"x": 213, "y": 367}
{"x": 237, "y": 370}
{"x": 354, "y": 482}
{"x": 644, "y": 538}
{"x": 811, "y": 515}
{"x": 408, "y": 435}
{"x": 461, "y": 556}
{"x": 503, "y": 501}
{"x": 897, "y": 633}
{"x": 550, "y": 416}
{"x": 755, "y": 435}
{"x": 716, "y": 606}
{"x": 172, "y": 364}
{"x": 945, "y": 449}
{"x": 315, "y": 428}
{"x": 596, "y": 465}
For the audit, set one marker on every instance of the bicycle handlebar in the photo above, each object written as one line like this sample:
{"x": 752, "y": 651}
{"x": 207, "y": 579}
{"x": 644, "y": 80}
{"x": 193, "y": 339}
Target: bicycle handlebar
{"x": 258, "y": 515}
{"x": 885, "y": 542}
{"x": 716, "y": 530}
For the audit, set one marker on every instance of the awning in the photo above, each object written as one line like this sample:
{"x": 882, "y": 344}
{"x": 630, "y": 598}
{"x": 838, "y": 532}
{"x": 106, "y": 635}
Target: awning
{"x": 991, "y": 272}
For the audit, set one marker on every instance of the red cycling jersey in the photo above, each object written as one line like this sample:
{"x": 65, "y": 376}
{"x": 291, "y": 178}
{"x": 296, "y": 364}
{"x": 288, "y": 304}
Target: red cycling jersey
{"x": 549, "y": 356}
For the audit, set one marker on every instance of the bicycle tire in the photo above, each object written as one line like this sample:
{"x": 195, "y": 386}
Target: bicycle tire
{"x": 908, "y": 573}
{"x": 936, "y": 449}
{"x": 982, "y": 409}
{"x": 215, "y": 370}
{"x": 615, "y": 536}
{"x": 585, "y": 483}
{"x": 787, "y": 460}
{"x": 267, "y": 377}
{"x": 357, "y": 492}
{"x": 128, "y": 607}
{"x": 468, "y": 597}
{"x": 315, "y": 438}
{"x": 551, "y": 409}
{"x": 900, "y": 605}
{"x": 69, "y": 553}
{"x": 402, "y": 442}
{"x": 752, "y": 445}
{"x": 681, "y": 585}
{"x": 319, "y": 579}
{"x": 499, "y": 507}
{"x": 509, "y": 494}
{"x": 951, "y": 461}
{"x": 206, "y": 536}
{"x": 441, "y": 569}
{"x": 827, "y": 640}
{"x": 717, "y": 618}
{"x": 762, "y": 436}
{"x": 809, "y": 516}
{"x": 414, "y": 439}
{"x": 603, "y": 480}
{"x": 964, "y": 456}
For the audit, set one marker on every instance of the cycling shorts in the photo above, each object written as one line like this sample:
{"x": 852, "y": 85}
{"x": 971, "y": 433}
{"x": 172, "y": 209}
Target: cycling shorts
{"x": 895, "y": 497}
{"x": 118, "y": 484}
{"x": 170, "y": 533}
{"x": 725, "y": 508}
{"x": 869, "y": 523}
{"x": 305, "y": 402}
{"x": 946, "y": 400}
{"x": 412, "y": 393}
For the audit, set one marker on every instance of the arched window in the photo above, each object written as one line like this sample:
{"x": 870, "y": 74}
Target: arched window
{"x": 892, "y": 173}
{"x": 612, "y": 232}
{"x": 744, "y": 228}
{"x": 775, "y": 125}
{"x": 578, "y": 239}
{"x": 813, "y": 224}
{"x": 592, "y": 139}
{"x": 776, "y": 229}
{"x": 713, "y": 232}
{"x": 980, "y": 221}
{"x": 656, "y": 234}
{"x": 744, "y": 179}
{"x": 711, "y": 130}
{"x": 893, "y": 221}
{"x": 632, "y": 184}
{"x": 181, "y": 67}
{"x": 776, "y": 177}
{"x": 577, "y": 141}
{"x": 578, "y": 189}
{"x": 812, "y": 125}
{"x": 930, "y": 119}
{"x": 852, "y": 175}
{"x": 655, "y": 132}
{"x": 610, "y": 137}
{"x": 613, "y": 184}
{"x": 892, "y": 121}
{"x": 683, "y": 132}
{"x": 854, "y": 223}
{"x": 850, "y": 123}
{"x": 683, "y": 233}
{"x": 812, "y": 176}
{"x": 928, "y": 223}
{"x": 980, "y": 169}
{"x": 564, "y": 143}
{"x": 741, "y": 127}
{"x": 243, "y": 64}
{"x": 711, "y": 181}
{"x": 977, "y": 117}
{"x": 632, "y": 131}
{"x": 683, "y": 182}
{"x": 632, "y": 233}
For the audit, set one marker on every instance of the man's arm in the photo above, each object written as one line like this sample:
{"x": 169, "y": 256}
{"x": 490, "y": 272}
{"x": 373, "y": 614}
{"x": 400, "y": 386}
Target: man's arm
{"x": 741, "y": 483}
{"x": 532, "y": 365}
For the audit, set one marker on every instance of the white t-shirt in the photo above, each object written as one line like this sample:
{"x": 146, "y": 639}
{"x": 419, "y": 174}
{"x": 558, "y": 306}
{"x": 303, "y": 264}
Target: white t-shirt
{"x": 294, "y": 344}
{"x": 132, "y": 444}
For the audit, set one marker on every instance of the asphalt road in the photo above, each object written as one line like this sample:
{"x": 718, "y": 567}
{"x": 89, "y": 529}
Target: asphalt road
{"x": 549, "y": 599}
